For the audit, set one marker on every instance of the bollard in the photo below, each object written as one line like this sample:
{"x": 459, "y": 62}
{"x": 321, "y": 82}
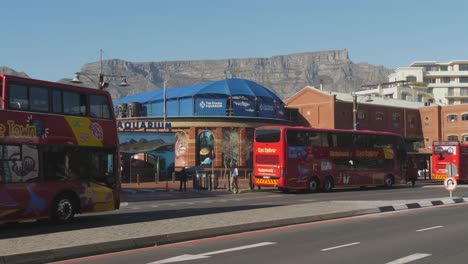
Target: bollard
{"x": 138, "y": 179}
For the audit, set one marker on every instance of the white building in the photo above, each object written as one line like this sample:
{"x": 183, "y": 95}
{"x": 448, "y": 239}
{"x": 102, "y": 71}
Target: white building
{"x": 401, "y": 90}
{"x": 447, "y": 82}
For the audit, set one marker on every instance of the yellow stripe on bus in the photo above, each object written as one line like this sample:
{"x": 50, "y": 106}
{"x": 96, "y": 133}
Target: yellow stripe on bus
{"x": 267, "y": 181}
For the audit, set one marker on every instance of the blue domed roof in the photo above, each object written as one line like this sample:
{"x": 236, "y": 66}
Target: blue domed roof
{"x": 226, "y": 88}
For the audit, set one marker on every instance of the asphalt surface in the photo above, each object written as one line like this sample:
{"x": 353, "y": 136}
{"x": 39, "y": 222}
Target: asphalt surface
{"x": 49, "y": 247}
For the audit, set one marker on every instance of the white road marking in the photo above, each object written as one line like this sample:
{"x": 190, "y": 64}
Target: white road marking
{"x": 346, "y": 245}
{"x": 429, "y": 228}
{"x": 135, "y": 208}
{"x": 123, "y": 204}
{"x": 186, "y": 257}
{"x": 155, "y": 206}
{"x": 409, "y": 258}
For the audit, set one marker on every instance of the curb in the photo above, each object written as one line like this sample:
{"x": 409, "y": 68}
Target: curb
{"x": 60, "y": 254}
{"x": 421, "y": 204}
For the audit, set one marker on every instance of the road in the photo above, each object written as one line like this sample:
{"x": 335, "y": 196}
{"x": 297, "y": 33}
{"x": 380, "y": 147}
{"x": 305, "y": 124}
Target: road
{"x": 430, "y": 235}
{"x": 146, "y": 206}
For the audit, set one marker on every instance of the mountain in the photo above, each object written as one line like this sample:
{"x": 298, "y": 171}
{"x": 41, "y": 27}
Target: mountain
{"x": 284, "y": 75}
{"x": 10, "y": 71}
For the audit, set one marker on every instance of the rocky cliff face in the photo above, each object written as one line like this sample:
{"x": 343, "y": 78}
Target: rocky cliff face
{"x": 10, "y": 71}
{"x": 284, "y": 75}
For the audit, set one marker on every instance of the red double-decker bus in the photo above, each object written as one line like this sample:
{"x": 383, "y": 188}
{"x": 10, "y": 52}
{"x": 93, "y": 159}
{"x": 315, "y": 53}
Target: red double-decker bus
{"x": 450, "y": 158}
{"x": 313, "y": 159}
{"x": 58, "y": 151}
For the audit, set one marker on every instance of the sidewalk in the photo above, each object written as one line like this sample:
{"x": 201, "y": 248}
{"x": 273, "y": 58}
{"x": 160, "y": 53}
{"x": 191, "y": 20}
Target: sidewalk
{"x": 174, "y": 185}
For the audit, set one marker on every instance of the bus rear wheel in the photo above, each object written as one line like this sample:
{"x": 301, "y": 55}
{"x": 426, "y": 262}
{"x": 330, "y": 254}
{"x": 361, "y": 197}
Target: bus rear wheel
{"x": 63, "y": 209}
{"x": 328, "y": 184}
{"x": 313, "y": 185}
{"x": 388, "y": 182}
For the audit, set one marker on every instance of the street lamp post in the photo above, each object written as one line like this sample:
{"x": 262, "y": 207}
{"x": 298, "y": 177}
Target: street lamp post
{"x": 356, "y": 108}
{"x": 101, "y": 84}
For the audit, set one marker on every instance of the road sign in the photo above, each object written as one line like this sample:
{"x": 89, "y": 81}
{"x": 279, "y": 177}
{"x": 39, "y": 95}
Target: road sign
{"x": 450, "y": 184}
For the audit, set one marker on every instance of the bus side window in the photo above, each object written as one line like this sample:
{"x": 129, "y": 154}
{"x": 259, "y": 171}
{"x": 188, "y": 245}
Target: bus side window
{"x": 18, "y": 96}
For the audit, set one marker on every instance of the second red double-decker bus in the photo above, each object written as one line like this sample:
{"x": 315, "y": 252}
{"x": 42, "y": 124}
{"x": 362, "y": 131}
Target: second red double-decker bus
{"x": 449, "y": 159}
{"x": 58, "y": 151}
{"x": 303, "y": 158}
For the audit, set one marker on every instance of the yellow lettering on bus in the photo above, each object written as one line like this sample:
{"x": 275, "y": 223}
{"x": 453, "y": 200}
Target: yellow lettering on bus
{"x": 20, "y": 131}
{"x": 266, "y": 150}
{"x": 2, "y": 130}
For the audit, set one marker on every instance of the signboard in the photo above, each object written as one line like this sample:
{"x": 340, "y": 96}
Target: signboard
{"x": 210, "y": 107}
{"x": 450, "y": 184}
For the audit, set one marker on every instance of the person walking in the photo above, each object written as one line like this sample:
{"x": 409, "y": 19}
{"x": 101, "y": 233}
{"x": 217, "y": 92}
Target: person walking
{"x": 234, "y": 174}
{"x": 412, "y": 172}
{"x": 183, "y": 179}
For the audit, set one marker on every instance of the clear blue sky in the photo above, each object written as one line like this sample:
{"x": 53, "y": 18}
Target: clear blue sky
{"x": 52, "y": 39}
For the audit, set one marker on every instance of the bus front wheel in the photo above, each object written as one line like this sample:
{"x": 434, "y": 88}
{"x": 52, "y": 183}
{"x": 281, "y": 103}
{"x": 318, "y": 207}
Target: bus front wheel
{"x": 63, "y": 209}
{"x": 314, "y": 185}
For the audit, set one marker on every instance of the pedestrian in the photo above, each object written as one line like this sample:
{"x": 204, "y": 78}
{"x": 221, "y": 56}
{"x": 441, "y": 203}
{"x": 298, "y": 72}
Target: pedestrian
{"x": 234, "y": 174}
{"x": 412, "y": 172}
{"x": 183, "y": 179}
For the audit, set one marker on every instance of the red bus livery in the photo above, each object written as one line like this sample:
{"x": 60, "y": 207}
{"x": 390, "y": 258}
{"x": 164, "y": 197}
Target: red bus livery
{"x": 302, "y": 158}
{"x": 58, "y": 151}
{"x": 449, "y": 157}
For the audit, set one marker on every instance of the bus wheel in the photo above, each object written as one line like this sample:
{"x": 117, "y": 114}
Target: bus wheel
{"x": 388, "y": 182}
{"x": 63, "y": 209}
{"x": 313, "y": 185}
{"x": 328, "y": 184}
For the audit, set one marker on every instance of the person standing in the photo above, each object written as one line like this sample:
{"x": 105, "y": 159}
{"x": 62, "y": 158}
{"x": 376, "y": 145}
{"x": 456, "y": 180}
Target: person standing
{"x": 234, "y": 174}
{"x": 183, "y": 179}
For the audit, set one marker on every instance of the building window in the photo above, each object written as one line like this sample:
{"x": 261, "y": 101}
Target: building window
{"x": 451, "y": 91}
{"x": 452, "y": 118}
{"x": 445, "y": 80}
{"x": 396, "y": 119}
{"x": 463, "y": 67}
{"x": 412, "y": 121}
{"x": 429, "y": 80}
{"x": 379, "y": 116}
{"x": 463, "y": 79}
{"x": 465, "y": 137}
{"x": 420, "y": 98}
{"x": 464, "y": 101}
{"x": 404, "y": 96}
{"x": 464, "y": 91}
{"x": 443, "y": 68}
{"x": 411, "y": 79}
{"x": 464, "y": 117}
{"x": 427, "y": 140}
{"x": 361, "y": 115}
{"x": 452, "y": 138}
{"x": 426, "y": 120}
{"x": 451, "y": 101}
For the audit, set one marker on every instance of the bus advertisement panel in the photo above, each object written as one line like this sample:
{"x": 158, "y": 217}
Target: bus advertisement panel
{"x": 300, "y": 158}
{"x": 449, "y": 158}
{"x": 58, "y": 151}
